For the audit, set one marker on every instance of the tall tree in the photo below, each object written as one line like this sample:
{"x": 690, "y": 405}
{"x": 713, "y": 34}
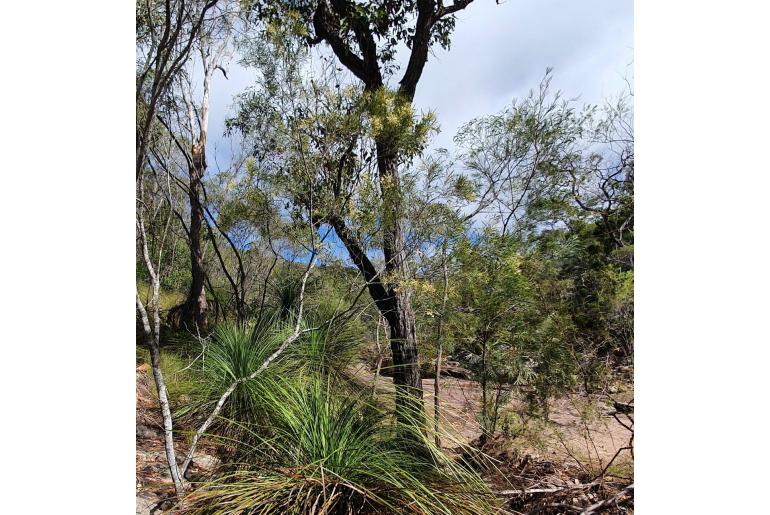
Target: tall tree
{"x": 166, "y": 32}
{"x": 364, "y": 37}
{"x": 212, "y": 45}
{"x": 165, "y": 35}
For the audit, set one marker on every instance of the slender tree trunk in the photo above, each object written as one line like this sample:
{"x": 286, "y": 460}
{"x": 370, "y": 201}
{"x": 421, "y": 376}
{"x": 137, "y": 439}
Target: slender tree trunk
{"x": 196, "y": 306}
{"x": 168, "y": 430}
{"x": 440, "y": 339}
{"x": 150, "y": 340}
{"x": 484, "y": 407}
{"x": 400, "y": 315}
{"x": 380, "y": 322}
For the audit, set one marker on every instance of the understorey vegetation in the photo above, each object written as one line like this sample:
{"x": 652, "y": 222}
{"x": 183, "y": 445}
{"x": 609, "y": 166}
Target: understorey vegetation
{"x": 338, "y": 317}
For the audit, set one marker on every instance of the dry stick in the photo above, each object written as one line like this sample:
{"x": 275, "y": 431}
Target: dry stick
{"x": 601, "y": 504}
{"x": 288, "y": 341}
{"x": 379, "y": 354}
{"x": 548, "y": 490}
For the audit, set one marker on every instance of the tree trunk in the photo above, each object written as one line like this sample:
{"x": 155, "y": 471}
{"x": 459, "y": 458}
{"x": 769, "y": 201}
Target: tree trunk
{"x": 380, "y": 322}
{"x": 440, "y": 338}
{"x": 400, "y": 315}
{"x": 194, "y": 315}
{"x": 406, "y": 370}
{"x": 484, "y": 406}
{"x": 168, "y": 430}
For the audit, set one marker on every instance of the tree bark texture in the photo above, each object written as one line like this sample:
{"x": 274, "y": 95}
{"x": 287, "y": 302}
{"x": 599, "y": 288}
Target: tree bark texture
{"x": 399, "y": 313}
{"x": 194, "y": 314}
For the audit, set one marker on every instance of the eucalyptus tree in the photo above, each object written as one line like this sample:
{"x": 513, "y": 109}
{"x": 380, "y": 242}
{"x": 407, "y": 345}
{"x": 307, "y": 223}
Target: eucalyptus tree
{"x": 186, "y": 117}
{"x": 152, "y": 209}
{"x": 166, "y": 32}
{"x": 363, "y": 37}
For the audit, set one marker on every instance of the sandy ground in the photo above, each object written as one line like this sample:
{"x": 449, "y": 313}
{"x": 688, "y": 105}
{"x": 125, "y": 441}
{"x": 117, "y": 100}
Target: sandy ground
{"x": 580, "y": 429}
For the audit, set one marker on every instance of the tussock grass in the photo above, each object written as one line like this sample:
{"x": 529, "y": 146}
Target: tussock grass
{"x": 326, "y": 449}
{"x": 233, "y": 352}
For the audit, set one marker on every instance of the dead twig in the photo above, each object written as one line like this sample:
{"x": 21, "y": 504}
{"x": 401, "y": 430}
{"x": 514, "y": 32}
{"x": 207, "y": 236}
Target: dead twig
{"x": 606, "y": 502}
{"x": 548, "y": 490}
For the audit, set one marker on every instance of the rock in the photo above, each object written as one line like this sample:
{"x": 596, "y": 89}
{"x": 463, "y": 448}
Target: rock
{"x": 143, "y": 431}
{"x": 206, "y": 462}
{"x": 145, "y": 502}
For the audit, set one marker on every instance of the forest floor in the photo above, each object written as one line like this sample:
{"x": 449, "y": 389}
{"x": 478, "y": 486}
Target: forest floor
{"x": 579, "y": 440}
{"x": 580, "y": 430}
{"x": 154, "y": 487}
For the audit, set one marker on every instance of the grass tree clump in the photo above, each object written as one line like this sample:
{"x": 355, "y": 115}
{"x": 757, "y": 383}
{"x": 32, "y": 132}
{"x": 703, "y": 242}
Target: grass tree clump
{"x": 234, "y": 352}
{"x": 328, "y": 343}
{"x": 326, "y": 449}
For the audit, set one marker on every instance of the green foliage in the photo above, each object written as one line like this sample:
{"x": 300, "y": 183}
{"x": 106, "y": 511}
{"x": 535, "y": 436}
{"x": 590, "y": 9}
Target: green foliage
{"x": 503, "y": 331}
{"x": 330, "y": 343}
{"x": 285, "y": 294}
{"x": 234, "y": 352}
{"x": 327, "y": 449}
{"x": 168, "y": 298}
{"x": 391, "y": 22}
{"x": 391, "y": 118}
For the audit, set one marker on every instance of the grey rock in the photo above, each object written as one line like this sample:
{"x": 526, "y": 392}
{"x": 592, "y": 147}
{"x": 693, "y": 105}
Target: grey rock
{"x": 206, "y": 462}
{"x": 145, "y": 502}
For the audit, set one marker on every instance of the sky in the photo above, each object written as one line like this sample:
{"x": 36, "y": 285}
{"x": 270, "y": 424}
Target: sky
{"x": 498, "y": 53}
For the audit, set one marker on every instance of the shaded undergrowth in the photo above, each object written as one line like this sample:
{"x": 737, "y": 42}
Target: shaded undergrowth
{"x": 303, "y": 437}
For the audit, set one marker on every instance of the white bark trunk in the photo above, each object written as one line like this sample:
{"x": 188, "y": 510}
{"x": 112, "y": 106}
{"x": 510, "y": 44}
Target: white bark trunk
{"x": 152, "y": 341}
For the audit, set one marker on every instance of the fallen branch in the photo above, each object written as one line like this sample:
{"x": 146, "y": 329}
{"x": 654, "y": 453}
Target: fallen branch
{"x": 548, "y": 490}
{"x": 601, "y": 504}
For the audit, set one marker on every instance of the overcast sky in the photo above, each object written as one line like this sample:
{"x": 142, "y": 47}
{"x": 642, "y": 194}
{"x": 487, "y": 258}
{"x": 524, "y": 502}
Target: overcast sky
{"x": 498, "y": 53}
